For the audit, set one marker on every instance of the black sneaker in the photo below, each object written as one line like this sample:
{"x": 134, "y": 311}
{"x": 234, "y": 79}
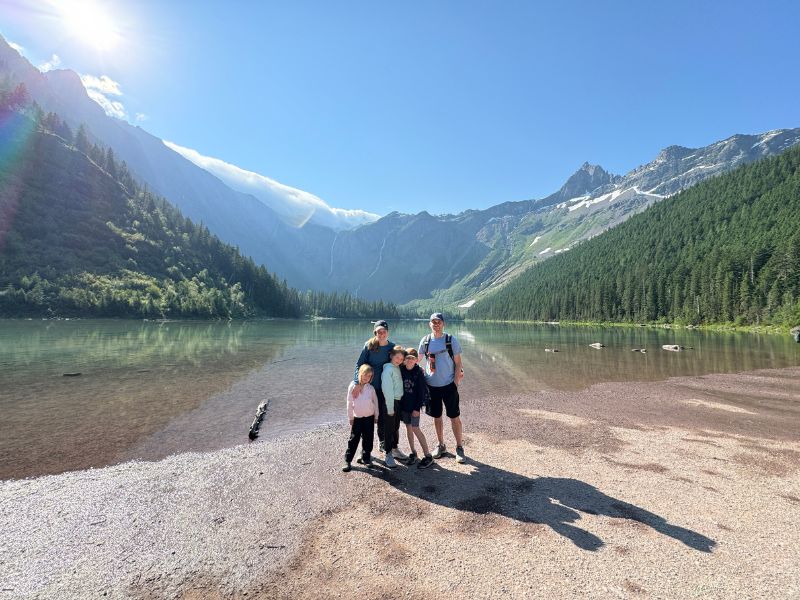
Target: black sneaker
{"x": 426, "y": 462}
{"x": 460, "y": 458}
{"x": 346, "y": 467}
{"x": 412, "y": 458}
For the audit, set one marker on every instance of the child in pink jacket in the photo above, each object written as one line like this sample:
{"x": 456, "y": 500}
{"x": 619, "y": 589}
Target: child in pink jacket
{"x": 362, "y": 411}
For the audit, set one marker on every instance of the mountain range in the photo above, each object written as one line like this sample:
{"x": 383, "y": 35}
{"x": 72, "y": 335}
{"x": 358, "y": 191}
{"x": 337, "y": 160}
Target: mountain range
{"x": 443, "y": 261}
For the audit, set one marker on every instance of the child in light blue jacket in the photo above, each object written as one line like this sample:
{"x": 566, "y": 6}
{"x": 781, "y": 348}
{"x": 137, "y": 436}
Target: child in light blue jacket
{"x": 392, "y": 387}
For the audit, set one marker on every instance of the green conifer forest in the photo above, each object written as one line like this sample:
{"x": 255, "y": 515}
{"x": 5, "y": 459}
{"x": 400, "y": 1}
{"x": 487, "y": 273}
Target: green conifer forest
{"x": 79, "y": 236}
{"x": 724, "y": 251}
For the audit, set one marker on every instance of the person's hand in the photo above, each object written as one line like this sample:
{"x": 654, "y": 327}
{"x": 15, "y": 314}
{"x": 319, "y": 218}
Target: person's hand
{"x": 459, "y": 377}
{"x": 376, "y": 420}
{"x": 415, "y": 413}
{"x": 351, "y": 421}
{"x": 357, "y": 389}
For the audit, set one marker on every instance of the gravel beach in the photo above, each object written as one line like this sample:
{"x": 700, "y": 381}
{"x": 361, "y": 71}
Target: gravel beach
{"x": 685, "y": 488}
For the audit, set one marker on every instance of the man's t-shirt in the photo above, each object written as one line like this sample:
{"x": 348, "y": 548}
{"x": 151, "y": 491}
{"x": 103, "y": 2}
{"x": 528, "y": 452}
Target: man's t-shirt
{"x": 445, "y": 368}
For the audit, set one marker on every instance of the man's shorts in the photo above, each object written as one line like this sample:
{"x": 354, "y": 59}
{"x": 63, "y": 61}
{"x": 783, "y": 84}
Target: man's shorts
{"x": 409, "y": 420}
{"x": 447, "y": 394}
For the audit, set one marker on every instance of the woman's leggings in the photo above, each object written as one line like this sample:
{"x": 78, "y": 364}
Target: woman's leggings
{"x": 381, "y": 414}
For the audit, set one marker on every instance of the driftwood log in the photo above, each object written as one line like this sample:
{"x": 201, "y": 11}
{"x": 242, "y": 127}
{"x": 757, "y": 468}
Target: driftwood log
{"x": 260, "y": 412}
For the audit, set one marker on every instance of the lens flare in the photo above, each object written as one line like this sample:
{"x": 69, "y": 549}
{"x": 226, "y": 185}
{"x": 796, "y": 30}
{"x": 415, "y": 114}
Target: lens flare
{"x": 90, "y": 23}
{"x": 16, "y": 133}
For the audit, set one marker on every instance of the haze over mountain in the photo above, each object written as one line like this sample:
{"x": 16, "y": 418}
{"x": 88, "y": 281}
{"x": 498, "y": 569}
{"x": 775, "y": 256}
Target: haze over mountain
{"x": 445, "y": 260}
{"x": 236, "y": 217}
{"x": 296, "y": 207}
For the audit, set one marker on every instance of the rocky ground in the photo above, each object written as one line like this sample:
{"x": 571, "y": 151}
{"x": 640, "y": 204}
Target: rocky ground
{"x": 677, "y": 489}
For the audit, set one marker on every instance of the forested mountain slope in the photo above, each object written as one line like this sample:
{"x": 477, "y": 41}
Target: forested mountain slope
{"x": 725, "y": 250}
{"x": 79, "y": 236}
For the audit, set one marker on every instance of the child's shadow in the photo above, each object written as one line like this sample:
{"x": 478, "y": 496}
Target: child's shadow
{"x": 553, "y": 501}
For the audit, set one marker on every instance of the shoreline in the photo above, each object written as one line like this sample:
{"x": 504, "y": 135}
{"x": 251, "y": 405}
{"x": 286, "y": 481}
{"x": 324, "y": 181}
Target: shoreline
{"x": 712, "y": 327}
{"x": 675, "y": 488}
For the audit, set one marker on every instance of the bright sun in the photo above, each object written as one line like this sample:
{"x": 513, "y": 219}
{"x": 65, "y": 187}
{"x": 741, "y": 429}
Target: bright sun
{"x": 89, "y": 22}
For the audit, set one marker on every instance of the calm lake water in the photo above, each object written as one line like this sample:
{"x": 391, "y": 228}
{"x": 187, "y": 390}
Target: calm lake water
{"x": 148, "y": 390}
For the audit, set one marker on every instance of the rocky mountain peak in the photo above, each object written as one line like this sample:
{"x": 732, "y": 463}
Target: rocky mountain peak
{"x": 585, "y": 180}
{"x": 671, "y": 153}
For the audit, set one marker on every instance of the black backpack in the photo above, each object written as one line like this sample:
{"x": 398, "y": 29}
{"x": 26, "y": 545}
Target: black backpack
{"x": 448, "y": 342}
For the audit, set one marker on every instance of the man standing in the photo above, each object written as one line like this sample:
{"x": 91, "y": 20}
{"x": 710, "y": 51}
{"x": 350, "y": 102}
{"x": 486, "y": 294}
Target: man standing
{"x": 443, "y": 374}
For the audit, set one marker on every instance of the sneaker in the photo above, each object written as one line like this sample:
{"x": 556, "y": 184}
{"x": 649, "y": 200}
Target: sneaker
{"x": 412, "y": 458}
{"x": 460, "y": 458}
{"x": 399, "y": 454}
{"x": 382, "y": 446}
{"x": 440, "y": 451}
{"x": 346, "y": 467}
{"x": 426, "y": 462}
{"x": 389, "y": 461}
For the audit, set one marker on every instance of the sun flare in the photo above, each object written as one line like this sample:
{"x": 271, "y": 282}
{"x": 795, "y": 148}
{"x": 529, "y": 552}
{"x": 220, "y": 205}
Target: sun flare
{"x": 89, "y": 22}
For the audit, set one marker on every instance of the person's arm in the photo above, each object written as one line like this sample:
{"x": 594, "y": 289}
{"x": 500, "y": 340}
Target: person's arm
{"x": 349, "y": 401}
{"x": 375, "y": 404}
{"x": 459, "y": 374}
{"x": 362, "y": 359}
{"x": 422, "y": 356}
{"x": 420, "y": 391}
{"x": 387, "y": 387}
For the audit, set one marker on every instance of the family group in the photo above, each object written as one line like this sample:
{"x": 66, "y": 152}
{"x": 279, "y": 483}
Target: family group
{"x": 393, "y": 384}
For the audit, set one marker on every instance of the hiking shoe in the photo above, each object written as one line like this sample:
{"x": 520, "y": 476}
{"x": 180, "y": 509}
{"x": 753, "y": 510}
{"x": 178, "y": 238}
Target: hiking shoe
{"x": 460, "y": 458}
{"x": 389, "y": 461}
{"x": 412, "y": 458}
{"x": 346, "y": 467}
{"x": 426, "y": 462}
{"x": 399, "y": 454}
{"x": 440, "y": 451}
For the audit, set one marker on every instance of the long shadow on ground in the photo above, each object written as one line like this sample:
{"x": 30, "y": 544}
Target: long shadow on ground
{"x": 553, "y": 501}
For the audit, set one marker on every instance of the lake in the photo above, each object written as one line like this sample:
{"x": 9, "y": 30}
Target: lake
{"x": 147, "y": 390}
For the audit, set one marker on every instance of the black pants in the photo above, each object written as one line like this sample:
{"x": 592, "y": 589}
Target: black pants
{"x": 381, "y": 413}
{"x": 363, "y": 430}
{"x": 391, "y": 428}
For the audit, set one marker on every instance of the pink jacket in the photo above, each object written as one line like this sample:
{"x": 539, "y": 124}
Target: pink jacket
{"x": 363, "y": 405}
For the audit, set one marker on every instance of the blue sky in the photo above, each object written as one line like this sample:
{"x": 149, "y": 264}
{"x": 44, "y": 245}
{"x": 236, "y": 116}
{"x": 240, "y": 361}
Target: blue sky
{"x": 438, "y": 106}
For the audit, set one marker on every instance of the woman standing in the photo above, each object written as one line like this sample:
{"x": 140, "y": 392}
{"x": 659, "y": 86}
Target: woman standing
{"x": 376, "y": 354}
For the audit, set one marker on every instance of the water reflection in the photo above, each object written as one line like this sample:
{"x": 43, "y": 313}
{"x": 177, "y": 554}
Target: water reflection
{"x": 150, "y": 389}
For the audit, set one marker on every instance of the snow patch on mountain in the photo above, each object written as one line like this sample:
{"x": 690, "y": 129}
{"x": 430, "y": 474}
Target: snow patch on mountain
{"x": 536, "y": 239}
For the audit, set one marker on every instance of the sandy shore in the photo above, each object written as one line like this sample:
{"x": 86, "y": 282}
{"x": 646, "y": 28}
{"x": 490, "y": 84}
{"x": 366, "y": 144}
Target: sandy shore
{"x": 687, "y": 488}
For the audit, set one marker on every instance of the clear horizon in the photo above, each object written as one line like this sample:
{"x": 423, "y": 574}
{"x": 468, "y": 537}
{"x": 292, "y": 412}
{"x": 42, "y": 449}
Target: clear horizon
{"x": 440, "y": 108}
